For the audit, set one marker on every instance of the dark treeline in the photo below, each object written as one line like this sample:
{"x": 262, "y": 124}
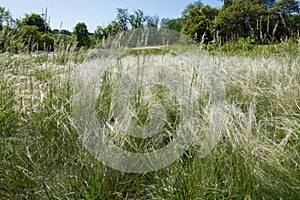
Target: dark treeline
{"x": 261, "y": 21}
{"x": 264, "y": 21}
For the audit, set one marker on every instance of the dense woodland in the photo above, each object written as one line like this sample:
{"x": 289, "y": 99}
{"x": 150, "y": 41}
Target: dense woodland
{"x": 257, "y": 21}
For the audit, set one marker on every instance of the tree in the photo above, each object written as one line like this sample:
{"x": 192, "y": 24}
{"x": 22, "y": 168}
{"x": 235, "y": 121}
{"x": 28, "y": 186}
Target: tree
{"x": 137, "y": 19}
{"x": 267, "y": 4}
{"x": 99, "y": 33}
{"x": 287, "y": 11}
{"x": 112, "y": 29}
{"x": 198, "y": 4}
{"x": 64, "y": 32}
{"x": 82, "y": 35}
{"x": 30, "y": 37}
{"x": 8, "y": 35}
{"x": 46, "y": 42}
{"x": 122, "y": 18}
{"x": 263, "y": 20}
{"x": 233, "y": 21}
{"x": 198, "y": 23}
{"x": 36, "y": 20}
{"x": 152, "y": 21}
{"x": 294, "y": 24}
{"x": 173, "y": 24}
{"x": 287, "y": 7}
{"x": 5, "y": 16}
{"x": 227, "y": 3}
{"x": 9, "y": 40}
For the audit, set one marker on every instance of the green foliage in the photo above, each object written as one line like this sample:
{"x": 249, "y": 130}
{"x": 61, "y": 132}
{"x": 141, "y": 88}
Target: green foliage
{"x": 199, "y": 23}
{"x": 9, "y": 40}
{"x": 196, "y": 5}
{"x": 266, "y": 22}
{"x": 173, "y": 24}
{"x": 33, "y": 40}
{"x": 30, "y": 37}
{"x": 122, "y": 18}
{"x": 248, "y": 47}
{"x": 82, "y": 35}
{"x": 138, "y": 19}
{"x": 99, "y": 34}
{"x": 64, "y": 32}
{"x": 227, "y": 3}
{"x": 63, "y": 41}
{"x": 152, "y": 21}
{"x": 233, "y": 22}
{"x": 110, "y": 30}
{"x": 36, "y": 20}
{"x": 287, "y": 7}
{"x": 47, "y": 42}
{"x": 150, "y": 51}
{"x": 8, "y": 36}
{"x": 5, "y": 17}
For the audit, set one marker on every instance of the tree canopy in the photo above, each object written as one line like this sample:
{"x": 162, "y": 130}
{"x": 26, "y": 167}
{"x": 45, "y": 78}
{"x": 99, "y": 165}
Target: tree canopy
{"x": 196, "y": 5}
{"x": 199, "y": 23}
{"x": 5, "y": 18}
{"x": 36, "y": 20}
{"x": 82, "y": 35}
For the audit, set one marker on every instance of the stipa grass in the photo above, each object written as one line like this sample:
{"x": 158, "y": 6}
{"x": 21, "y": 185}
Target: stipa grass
{"x": 34, "y": 107}
{"x": 257, "y": 156}
{"x": 138, "y": 85}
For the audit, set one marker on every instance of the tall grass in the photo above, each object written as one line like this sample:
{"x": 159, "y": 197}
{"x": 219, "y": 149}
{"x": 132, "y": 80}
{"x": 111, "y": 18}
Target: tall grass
{"x": 256, "y": 157}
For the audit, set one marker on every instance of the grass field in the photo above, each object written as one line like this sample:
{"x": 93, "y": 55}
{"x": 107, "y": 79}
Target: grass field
{"x": 256, "y": 157}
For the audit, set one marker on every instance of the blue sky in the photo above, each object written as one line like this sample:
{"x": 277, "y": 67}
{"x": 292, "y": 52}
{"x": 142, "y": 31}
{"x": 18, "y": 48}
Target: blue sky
{"x": 95, "y": 12}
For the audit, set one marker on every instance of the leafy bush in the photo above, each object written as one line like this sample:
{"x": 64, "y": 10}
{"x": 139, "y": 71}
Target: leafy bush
{"x": 30, "y": 38}
{"x": 47, "y": 42}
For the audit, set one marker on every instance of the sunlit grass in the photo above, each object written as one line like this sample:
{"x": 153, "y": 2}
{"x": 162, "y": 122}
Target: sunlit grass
{"x": 257, "y": 156}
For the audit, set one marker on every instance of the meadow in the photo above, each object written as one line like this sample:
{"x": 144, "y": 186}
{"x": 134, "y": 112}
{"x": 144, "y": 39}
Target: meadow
{"x": 256, "y": 156}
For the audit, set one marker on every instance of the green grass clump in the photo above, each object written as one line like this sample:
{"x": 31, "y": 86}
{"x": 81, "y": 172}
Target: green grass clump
{"x": 138, "y": 52}
{"x": 256, "y": 157}
{"x": 246, "y": 47}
